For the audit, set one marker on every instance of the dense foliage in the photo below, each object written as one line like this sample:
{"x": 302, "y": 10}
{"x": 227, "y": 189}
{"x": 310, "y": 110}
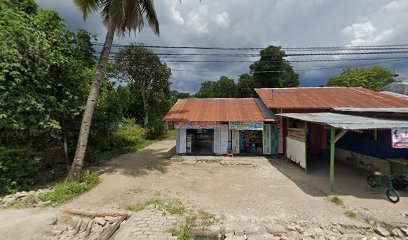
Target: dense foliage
{"x": 273, "y": 71}
{"x": 372, "y": 78}
{"x": 227, "y": 88}
{"x": 45, "y": 76}
{"x": 150, "y": 85}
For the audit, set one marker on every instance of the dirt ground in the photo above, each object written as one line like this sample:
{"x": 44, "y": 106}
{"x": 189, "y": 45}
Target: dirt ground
{"x": 244, "y": 189}
{"x": 245, "y": 192}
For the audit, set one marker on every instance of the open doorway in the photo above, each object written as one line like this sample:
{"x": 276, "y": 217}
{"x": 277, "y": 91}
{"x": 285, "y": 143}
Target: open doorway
{"x": 200, "y": 141}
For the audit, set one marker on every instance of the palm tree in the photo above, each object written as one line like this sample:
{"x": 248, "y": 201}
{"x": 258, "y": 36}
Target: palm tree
{"x": 119, "y": 16}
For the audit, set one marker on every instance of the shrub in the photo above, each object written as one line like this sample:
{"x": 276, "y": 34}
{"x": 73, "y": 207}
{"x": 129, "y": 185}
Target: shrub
{"x": 155, "y": 130}
{"x": 18, "y": 169}
{"x": 64, "y": 192}
{"x": 128, "y": 134}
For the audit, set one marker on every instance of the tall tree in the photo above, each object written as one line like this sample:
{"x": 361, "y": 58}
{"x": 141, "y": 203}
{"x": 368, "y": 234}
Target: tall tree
{"x": 372, "y": 78}
{"x": 245, "y": 85}
{"x": 143, "y": 68}
{"x": 118, "y": 16}
{"x": 273, "y": 71}
{"x": 222, "y": 88}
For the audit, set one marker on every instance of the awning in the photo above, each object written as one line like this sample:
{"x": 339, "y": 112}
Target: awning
{"x": 348, "y": 122}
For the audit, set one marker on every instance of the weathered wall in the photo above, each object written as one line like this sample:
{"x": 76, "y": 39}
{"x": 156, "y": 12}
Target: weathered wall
{"x": 296, "y": 151}
{"x": 367, "y": 145}
{"x": 181, "y": 140}
{"x": 362, "y": 161}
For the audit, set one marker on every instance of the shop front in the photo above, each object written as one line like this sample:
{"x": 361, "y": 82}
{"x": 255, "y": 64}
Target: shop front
{"x": 198, "y": 137}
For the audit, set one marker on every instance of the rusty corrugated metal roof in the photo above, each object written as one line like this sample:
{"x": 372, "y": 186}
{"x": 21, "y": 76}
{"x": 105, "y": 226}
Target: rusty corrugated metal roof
{"x": 344, "y": 121}
{"x": 215, "y": 110}
{"x": 327, "y": 98}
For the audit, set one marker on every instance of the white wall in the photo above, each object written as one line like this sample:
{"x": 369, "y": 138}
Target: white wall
{"x": 224, "y": 139}
{"x": 221, "y": 139}
{"x": 181, "y": 140}
{"x": 296, "y": 151}
{"x": 217, "y": 140}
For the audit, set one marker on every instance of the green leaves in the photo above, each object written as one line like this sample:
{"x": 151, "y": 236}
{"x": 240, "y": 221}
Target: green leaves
{"x": 272, "y": 71}
{"x": 372, "y": 78}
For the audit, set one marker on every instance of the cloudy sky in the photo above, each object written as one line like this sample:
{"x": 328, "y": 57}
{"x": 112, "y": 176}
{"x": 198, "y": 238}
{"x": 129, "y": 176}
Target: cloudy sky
{"x": 249, "y": 23}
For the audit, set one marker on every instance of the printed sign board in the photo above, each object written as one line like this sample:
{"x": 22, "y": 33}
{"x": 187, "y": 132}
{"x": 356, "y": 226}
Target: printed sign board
{"x": 196, "y": 125}
{"x": 255, "y": 126}
{"x": 399, "y": 137}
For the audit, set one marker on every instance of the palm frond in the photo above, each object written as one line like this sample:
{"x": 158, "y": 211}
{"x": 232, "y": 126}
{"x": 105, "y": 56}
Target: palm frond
{"x": 149, "y": 10}
{"x": 125, "y": 15}
{"x": 88, "y": 6}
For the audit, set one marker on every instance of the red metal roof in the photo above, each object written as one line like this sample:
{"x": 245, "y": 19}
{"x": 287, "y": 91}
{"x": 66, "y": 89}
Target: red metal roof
{"x": 215, "y": 110}
{"x": 327, "y": 98}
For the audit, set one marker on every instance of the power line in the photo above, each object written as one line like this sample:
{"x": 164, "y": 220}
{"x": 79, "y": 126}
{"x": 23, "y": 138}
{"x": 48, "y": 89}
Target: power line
{"x": 314, "y": 48}
{"x": 287, "y": 55}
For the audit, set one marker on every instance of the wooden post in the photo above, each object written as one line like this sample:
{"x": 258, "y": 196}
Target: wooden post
{"x": 332, "y": 148}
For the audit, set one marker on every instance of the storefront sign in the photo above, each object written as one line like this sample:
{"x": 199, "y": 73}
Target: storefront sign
{"x": 255, "y": 126}
{"x": 399, "y": 137}
{"x": 196, "y": 125}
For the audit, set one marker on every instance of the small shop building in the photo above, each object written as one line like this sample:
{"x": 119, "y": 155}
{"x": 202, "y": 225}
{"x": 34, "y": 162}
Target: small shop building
{"x": 356, "y": 126}
{"x": 223, "y": 125}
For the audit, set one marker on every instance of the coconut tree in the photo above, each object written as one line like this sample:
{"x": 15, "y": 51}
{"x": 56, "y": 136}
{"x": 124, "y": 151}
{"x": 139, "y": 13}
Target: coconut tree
{"x": 120, "y": 17}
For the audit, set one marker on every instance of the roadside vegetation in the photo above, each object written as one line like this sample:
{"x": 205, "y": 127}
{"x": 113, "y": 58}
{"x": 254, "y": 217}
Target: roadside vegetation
{"x": 173, "y": 206}
{"x": 45, "y": 78}
{"x": 64, "y": 192}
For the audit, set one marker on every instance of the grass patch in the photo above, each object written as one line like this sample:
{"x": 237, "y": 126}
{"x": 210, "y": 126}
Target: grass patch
{"x": 206, "y": 218}
{"x": 350, "y": 214}
{"x": 64, "y": 192}
{"x": 336, "y": 200}
{"x": 169, "y": 135}
{"x": 174, "y": 207}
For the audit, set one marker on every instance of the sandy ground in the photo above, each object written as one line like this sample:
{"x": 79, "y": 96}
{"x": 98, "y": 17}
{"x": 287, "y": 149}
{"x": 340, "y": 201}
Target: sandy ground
{"x": 24, "y": 223}
{"x": 241, "y": 191}
{"x": 245, "y": 189}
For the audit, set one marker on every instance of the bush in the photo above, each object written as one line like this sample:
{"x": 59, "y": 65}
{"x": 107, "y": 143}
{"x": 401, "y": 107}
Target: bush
{"x": 155, "y": 130}
{"x": 18, "y": 169}
{"x": 128, "y": 134}
{"x": 64, "y": 192}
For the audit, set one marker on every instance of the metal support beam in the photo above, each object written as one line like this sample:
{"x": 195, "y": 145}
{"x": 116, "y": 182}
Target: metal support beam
{"x": 332, "y": 143}
{"x": 340, "y": 135}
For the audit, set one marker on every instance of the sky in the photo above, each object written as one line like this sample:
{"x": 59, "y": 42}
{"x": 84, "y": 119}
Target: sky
{"x": 249, "y": 23}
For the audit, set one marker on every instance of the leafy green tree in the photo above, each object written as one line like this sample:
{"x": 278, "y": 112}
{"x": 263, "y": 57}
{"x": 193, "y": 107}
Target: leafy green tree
{"x": 44, "y": 77}
{"x": 222, "y": 88}
{"x": 245, "y": 85}
{"x": 372, "y": 78}
{"x": 121, "y": 17}
{"x": 273, "y": 71}
{"x": 226, "y": 88}
{"x": 207, "y": 89}
{"x": 176, "y": 95}
{"x": 150, "y": 76}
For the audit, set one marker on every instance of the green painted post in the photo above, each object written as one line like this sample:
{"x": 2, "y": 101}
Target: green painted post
{"x": 305, "y": 147}
{"x": 332, "y": 144}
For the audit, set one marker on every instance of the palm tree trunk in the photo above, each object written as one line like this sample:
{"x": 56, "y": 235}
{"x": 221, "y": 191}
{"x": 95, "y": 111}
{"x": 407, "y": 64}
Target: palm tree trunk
{"x": 75, "y": 173}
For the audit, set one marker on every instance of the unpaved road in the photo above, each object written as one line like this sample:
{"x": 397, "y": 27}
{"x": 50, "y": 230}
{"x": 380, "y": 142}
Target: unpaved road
{"x": 250, "y": 192}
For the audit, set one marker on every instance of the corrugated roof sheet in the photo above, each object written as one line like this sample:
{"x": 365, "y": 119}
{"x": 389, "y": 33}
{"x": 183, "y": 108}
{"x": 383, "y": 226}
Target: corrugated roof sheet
{"x": 215, "y": 110}
{"x": 266, "y": 112}
{"x": 373, "y": 110}
{"x": 327, "y": 98}
{"x": 345, "y": 121}
{"x": 397, "y": 87}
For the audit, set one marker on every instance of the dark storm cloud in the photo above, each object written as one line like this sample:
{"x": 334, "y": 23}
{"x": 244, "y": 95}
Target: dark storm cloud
{"x": 245, "y": 23}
